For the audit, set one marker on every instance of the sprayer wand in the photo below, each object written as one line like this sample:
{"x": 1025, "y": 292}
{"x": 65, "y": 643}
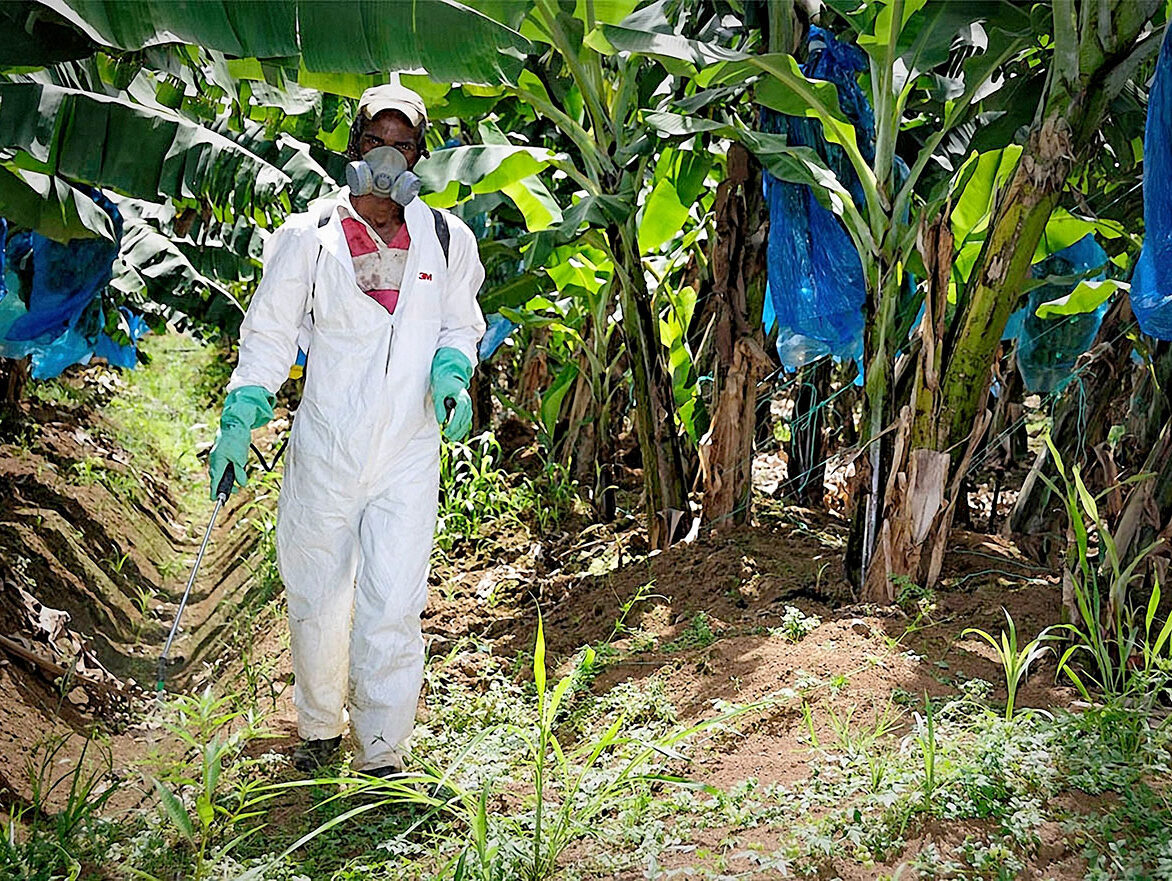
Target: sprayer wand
{"x": 222, "y": 492}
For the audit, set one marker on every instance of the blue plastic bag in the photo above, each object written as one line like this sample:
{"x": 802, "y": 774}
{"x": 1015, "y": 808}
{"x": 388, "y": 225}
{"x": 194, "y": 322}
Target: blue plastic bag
{"x": 66, "y": 279}
{"x": 58, "y": 321}
{"x": 124, "y": 355}
{"x": 498, "y": 331}
{"x": 1151, "y": 283}
{"x": 816, "y": 291}
{"x": 51, "y": 359}
{"x": 1047, "y": 348}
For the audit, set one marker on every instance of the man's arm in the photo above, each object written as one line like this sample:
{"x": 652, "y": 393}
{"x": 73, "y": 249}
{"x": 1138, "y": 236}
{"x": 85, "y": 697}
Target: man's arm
{"x": 268, "y": 345}
{"x": 268, "y": 336}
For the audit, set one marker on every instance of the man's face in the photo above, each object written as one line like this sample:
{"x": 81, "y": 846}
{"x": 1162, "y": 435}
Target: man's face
{"x": 390, "y": 130}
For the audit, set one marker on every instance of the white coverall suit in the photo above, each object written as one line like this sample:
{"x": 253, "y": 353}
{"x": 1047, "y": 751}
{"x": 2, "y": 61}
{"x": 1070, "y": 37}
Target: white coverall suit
{"x": 357, "y": 510}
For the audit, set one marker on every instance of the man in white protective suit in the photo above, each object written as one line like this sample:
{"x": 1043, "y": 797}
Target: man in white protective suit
{"x": 380, "y": 292}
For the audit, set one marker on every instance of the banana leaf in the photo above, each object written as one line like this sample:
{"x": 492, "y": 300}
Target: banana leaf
{"x": 307, "y": 178}
{"x": 449, "y": 40}
{"x": 132, "y": 149}
{"x": 51, "y": 207}
{"x": 151, "y": 269}
{"x": 456, "y": 173}
{"x": 30, "y": 36}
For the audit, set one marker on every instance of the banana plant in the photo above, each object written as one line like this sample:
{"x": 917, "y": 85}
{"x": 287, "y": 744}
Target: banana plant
{"x": 619, "y": 205}
{"x": 52, "y": 206}
{"x": 95, "y": 139}
{"x": 579, "y": 334}
{"x": 911, "y": 48}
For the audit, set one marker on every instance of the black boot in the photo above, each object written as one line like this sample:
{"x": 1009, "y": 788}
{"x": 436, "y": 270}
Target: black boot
{"x": 313, "y": 754}
{"x": 385, "y": 771}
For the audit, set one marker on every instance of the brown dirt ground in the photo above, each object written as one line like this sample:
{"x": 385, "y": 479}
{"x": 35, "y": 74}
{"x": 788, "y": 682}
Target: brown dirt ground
{"x": 72, "y": 545}
{"x": 741, "y": 579}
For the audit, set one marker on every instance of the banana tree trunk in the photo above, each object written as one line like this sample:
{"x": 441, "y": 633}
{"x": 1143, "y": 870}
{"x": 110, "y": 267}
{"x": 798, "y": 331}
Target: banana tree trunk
{"x": 950, "y": 415}
{"x": 926, "y": 479}
{"x": 738, "y": 290}
{"x": 869, "y": 491}
{"x": 664, "y": 484}
{"x": 806, "y": 450}
{"x": 589, "y": 447}
{"x": 914, "y": 495}
{"x": 1094, "y": 52}
{"x": 1150, "y": 402}
{"x": 13, "y": 378}
{"x": 1147, "y": 513}
{"x": 1147, "y": 509}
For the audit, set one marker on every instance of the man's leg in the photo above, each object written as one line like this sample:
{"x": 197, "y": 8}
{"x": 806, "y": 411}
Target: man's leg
{"x": 386, "y": 655}
{"x": 317, "y": 553}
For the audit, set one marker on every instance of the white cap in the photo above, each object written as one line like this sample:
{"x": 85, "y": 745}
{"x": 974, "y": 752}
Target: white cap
{"x": 376, "y": 99}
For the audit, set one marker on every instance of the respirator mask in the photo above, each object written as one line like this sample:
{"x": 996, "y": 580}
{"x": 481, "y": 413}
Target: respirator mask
{"x": 383, "y": 172}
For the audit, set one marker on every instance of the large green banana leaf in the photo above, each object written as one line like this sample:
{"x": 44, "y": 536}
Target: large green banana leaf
{"x": 135, "y": 150}
{"x": 485, "y": 167}
{"x": 51, "y": 206}
{"x": 532, "y": 198}
{"x": 449, "y": 40}
{"x": 151, "y": 268}
{"x": 226, "y": 251}
{"x": 455, "y": 173}
{"x": 307, "y": 178}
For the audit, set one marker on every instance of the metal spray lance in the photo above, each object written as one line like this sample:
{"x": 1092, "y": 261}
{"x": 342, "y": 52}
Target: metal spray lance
{"x": 222, "y": 492}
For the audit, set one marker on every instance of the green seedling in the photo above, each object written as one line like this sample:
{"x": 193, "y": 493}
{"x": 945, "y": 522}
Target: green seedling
{"x": 1015, "y": 662}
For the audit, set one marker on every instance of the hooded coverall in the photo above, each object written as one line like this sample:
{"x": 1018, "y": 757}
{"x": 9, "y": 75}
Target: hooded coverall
{"x": 357, "y": 510}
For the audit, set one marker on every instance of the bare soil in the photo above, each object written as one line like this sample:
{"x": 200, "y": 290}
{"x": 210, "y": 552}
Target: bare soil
{"x": 60, "y": 541}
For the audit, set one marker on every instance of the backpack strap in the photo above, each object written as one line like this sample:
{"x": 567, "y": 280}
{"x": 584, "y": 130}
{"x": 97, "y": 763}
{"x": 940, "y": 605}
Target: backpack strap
{"x": 324, "y": 213}
{"x": 442, "y": 232}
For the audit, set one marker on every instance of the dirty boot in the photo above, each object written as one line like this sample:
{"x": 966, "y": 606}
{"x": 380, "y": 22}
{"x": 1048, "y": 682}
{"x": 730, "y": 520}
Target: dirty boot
{"x": 384, "y": 772}
{"x": 313, "y": 754}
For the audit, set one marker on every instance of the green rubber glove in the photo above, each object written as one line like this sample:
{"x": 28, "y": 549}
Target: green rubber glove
{"x": 245, "y": 408}
{"x": 451, "y": 371}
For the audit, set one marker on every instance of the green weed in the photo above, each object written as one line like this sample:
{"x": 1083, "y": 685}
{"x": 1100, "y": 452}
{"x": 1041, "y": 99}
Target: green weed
{"x": 476, "y": 491}
{"x": 170, "y": 568}
{"x": 910, "y": 596}
{"x": 261, "y": 513}
{"x": 215, "y": 733}
{"x": 697, "y": 635}
{"x": 41, "y": 844}
{"x": 58, "y": 393}
{"x": 86, "y": 472}
{"x": 167, "y": 410}
{"x": 90, "y": 471}
{"x": 566, "y": 788}
{"x": 795, "y": 625}
{"x": 1126, "y": 659}
{"x": 117, "y": 565}
{"x": 1014, "y": 661}
{"x": 961, "y": 763}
